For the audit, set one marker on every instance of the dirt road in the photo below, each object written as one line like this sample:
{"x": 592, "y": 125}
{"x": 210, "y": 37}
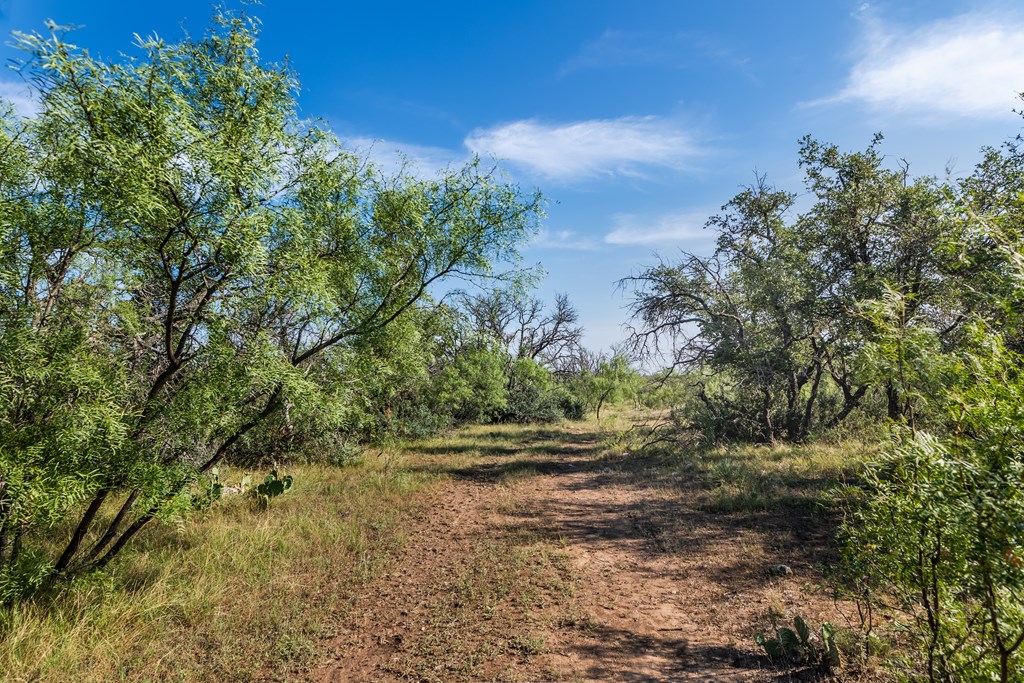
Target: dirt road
{"x": 541, "y": 555}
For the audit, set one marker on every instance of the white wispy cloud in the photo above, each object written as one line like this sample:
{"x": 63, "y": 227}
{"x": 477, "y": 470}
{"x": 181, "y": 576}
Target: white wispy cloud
{"x": 969, "y": 66}
{"x": 20, "y": 96}
{"x": 679, "y": 50}
{"x": 391, "y": 157}
{"x": 588, "y": 149}
{"x": 669, "y": 228}
{"x": 562, "y": 239}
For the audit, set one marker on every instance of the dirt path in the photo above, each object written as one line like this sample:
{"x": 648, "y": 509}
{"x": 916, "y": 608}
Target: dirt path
{"x": 399, "y": 607}
{"x": 540, "y": 558}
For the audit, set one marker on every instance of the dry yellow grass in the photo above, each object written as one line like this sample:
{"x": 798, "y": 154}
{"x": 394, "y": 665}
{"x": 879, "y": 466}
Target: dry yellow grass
{"x": 232, "y": 594}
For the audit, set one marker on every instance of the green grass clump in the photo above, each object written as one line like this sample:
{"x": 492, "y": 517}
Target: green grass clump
{"x": 231, "y": 594}
{"x": 748, "y": 478}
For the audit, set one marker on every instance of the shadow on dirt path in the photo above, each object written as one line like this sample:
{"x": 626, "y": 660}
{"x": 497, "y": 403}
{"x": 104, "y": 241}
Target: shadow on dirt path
{"x": 541, "y": 556}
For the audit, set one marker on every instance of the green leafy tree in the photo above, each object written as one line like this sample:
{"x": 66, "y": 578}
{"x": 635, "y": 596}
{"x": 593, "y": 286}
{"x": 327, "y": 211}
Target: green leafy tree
{"x": 473, "y": 386}
{"x": 540, "y": 347}
{"x": 937, "y": 533}
{"x": 531, "y": 393}
{"x": 871, "y": 228}
{"x": 741, "y": 321}
{"x": 612, "y": 381}
{"x": 183, "y": 263}
{"x": 767, "y": 328}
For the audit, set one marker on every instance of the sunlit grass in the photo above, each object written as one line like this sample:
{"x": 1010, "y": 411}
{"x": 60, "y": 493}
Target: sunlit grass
{"x": 751, "y": 478}
{"x": 235, "y": 593}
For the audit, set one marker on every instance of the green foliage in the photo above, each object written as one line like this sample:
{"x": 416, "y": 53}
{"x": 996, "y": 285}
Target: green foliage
{"x": 473, "y": 387}
{"x": 530, "y": 404}
{"x": 612, "y": 381}
{"x": 797, "y": 646}
{"x": 767, "y": 327}
{"x": 212, "y": 489}
{"x": 532, "y": 394}
{"x": 665, "y": 390}
{"x": 938, "y": 527}
{"x": 572, "y": 406}
{"x": 495, "y": 357}
{"x": 189, "y": 272}
{"x": 411, "y": 418}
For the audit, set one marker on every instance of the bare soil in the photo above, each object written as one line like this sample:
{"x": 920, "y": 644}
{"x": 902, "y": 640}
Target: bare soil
{"x": 542, "y": 556}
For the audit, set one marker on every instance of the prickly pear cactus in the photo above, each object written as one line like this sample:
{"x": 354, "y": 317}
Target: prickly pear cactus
{"x": 797, "y": 646}
{"x": 273, "y": 486}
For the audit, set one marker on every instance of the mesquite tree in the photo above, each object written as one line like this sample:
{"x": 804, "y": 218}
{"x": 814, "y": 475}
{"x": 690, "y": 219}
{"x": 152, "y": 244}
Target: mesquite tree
{"x": 525, "y": 326}
{"x": 182, "y": 259}
{"x": 767, "y": 327}
{"x": 937, "y": 534}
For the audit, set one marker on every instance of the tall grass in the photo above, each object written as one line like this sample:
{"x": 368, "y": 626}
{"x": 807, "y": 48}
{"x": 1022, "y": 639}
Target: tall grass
{"x": 232, "y": 594}
{"x": 742, "y": 477}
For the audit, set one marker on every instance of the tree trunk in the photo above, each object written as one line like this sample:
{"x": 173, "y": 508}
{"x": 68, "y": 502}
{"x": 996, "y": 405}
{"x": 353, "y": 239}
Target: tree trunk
{"x": 600, "y": 402}
{"x": 894, "y": 409}
{"x": 766, "y": 419}
{"x": 80, "y": 531}
{"x": 805, "y": 426}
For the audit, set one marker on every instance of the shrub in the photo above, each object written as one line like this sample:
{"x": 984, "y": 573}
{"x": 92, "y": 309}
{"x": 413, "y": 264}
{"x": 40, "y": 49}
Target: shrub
{"x": 571, "y": 405}
{"x": 940, "y": 526}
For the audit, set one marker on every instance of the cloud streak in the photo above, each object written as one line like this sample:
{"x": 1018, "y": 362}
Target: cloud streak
{"x": 971, "y": 66}
{"x": 588, "y": 149}
{"x": 683, "y": 50}
{"x": 390, "y": 156}
{"x": 562, "y": 239}
{"x": 670, "y": 228}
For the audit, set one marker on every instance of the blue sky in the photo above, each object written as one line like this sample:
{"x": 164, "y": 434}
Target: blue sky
{"x": 636, "y": 120}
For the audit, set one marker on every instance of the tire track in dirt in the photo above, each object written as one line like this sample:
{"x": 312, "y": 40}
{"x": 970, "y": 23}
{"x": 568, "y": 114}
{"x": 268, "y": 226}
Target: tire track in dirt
{"x": 397, "y": 604}
{"x": 638, "y": 619}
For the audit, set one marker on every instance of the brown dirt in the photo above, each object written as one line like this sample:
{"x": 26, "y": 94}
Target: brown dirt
{"x": 627, "y": 577}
